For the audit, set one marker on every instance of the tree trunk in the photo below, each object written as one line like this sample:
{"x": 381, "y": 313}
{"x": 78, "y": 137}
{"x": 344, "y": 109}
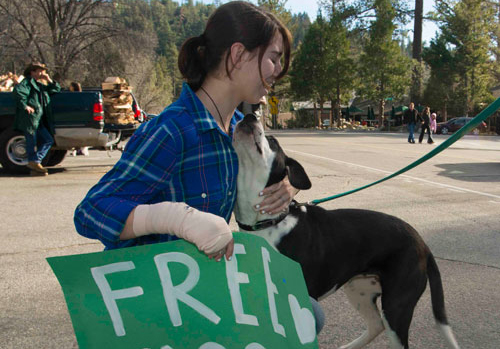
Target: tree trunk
{"x": 315, "y": 113}
{"x": 416, "y": 89}
{"x": 445, "y": 110}
{"x": 337, "y": 107}
{"x": 417, "y": 30}
{"x": 331, "y": 113}
{"x": 381, "y": 113}
{"x": 320, "y": 119}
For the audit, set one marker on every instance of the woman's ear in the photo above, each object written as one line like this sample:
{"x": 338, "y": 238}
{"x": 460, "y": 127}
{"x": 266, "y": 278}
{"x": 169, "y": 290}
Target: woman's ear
{"x": 238, "y": 54}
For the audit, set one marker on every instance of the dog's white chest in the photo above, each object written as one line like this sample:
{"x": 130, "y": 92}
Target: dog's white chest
{"x": 274, "y": 234}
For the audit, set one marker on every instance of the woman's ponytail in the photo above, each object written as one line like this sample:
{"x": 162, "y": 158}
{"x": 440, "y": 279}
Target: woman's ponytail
{"x": 191, "y": 61}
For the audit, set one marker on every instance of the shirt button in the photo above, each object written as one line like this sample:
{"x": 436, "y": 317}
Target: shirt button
{"x": 230, "y": 193}
{"x": 203, "y": 195}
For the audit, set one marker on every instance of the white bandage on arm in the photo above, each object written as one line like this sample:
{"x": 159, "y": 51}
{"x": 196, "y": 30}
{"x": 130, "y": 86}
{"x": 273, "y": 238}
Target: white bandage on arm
{"x": 209, "y": 232}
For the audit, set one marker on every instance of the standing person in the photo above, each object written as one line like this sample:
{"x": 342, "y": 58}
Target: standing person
{"x": 34, "y": 114}
{"x": 433, "y": 124}
{"x": 410, "y": 118}
{"x": 425, "y": 118}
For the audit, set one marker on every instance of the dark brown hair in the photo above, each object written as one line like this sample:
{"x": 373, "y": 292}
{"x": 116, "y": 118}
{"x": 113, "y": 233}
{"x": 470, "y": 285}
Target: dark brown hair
{"x": 75, "y": 86}
{"x": 236, "y": 21}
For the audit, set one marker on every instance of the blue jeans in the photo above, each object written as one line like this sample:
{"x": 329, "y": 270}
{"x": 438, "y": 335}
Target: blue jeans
{"x": 319, "y": 315}
{"x": 411, "y": 129}
{"x": 41, "y": 140}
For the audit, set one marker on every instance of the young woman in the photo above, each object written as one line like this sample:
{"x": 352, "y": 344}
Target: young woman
{"x": 177, "y": 174}
{"x": 426, "y": 121}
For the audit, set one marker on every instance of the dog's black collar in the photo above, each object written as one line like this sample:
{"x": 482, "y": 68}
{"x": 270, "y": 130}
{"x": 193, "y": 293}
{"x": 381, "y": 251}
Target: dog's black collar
{"x": 263, "y": 224}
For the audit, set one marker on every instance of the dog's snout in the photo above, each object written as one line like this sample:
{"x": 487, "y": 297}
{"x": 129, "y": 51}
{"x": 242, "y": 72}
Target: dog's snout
{"x": 248, "y": 124}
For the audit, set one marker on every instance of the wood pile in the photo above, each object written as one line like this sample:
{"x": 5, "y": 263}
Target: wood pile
{"x": 117, "y": 100}
{"x": 8, "y": 81}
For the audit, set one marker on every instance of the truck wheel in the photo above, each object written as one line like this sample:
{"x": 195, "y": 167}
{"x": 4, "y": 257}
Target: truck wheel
{"x": 13, "y": 156}
{"x": 54, "y": 157}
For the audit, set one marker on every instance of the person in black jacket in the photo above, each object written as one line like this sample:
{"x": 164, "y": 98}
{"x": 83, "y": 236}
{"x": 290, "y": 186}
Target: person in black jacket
{"x": 425, "y": 118}
{"x": 410, "y": 118}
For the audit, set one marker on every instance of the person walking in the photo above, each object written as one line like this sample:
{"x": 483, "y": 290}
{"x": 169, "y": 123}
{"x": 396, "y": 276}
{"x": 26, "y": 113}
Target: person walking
{"x": 410, "y": 118}
{"x": 425, "y": 118}
{"x": 34, "y": 114}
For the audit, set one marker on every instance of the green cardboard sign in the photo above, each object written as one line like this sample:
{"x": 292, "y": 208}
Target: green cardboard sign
{"x": 171, "y": 296}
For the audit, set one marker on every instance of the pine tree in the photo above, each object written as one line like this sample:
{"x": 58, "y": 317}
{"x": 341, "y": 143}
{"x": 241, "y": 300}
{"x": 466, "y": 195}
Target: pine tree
{"x": 307, "y": 69}
{"x": 385, "y": 72}
{"x": 441, "y": 85}
{"x": 341, "y": 69}
{"x": 466, "y": 27}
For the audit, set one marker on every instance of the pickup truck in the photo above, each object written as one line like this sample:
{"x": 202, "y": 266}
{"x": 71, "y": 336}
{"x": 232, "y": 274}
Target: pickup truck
{"x": 78, "y": 122}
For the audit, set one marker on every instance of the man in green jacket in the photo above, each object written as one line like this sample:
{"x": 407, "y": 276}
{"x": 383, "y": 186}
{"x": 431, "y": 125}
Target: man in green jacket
{"x": 34, "y": 114}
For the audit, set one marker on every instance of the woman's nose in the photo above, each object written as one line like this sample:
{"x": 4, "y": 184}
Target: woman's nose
{"x": 278, "y": 68}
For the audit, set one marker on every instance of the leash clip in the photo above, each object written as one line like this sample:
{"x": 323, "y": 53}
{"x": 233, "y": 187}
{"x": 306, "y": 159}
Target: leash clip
{"x": 299, "y": 204}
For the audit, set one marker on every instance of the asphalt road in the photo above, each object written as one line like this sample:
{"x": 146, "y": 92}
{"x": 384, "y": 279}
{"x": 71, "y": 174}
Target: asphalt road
{"x": 453, "y": 200}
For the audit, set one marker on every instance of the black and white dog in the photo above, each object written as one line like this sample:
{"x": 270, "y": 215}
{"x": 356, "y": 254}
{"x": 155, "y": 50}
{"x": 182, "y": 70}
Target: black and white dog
{"x": 370, "y": 253}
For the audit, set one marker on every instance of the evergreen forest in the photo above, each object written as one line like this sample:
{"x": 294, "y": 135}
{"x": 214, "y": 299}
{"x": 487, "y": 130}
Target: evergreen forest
{"x": 352, "y": 49}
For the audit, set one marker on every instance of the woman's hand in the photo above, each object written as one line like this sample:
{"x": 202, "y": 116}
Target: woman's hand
{"x": 29, "y": 109}
{"x": 277, "y": 197}
{"x": 226, "y": 251}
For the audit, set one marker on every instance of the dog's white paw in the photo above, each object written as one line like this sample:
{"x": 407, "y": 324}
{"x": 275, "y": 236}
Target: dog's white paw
{"x": 305, "y": 324}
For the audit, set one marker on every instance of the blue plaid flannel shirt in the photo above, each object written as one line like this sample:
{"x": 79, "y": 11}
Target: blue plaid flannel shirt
{"x": 181, "y": 156}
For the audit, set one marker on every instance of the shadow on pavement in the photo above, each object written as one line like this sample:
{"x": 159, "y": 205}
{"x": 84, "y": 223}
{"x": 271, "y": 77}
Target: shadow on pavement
{"x": 472, "y": 172}
{"x": 55, "y": 170}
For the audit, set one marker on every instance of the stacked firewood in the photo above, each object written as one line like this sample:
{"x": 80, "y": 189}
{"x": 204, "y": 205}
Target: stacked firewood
{"x": 118, "y": 101}
{"x": 8, "y": 81}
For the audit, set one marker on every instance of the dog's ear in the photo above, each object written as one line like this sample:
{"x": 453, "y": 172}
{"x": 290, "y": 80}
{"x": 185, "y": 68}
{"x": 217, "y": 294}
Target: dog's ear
{"x": 296, "y": 174}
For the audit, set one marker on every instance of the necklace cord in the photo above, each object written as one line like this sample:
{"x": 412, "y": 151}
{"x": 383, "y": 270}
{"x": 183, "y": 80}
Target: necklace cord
{"x": 216, "y": 108}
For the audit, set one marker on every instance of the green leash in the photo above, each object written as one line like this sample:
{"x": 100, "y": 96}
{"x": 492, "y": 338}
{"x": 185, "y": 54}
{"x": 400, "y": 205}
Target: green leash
{"x": 487, "y": 112}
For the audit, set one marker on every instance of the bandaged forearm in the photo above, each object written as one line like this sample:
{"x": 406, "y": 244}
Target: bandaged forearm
{"x": 209, "y": 232}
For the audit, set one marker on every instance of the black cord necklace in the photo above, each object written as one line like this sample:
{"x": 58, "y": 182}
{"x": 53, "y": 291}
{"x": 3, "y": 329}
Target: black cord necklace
{"x": 215, "y": 105}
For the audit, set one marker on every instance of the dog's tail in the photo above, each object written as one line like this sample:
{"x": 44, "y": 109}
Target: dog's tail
{"x": 437, "y": 298}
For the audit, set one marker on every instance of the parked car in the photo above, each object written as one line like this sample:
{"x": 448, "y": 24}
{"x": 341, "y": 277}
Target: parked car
{"x": 455, "y": 124}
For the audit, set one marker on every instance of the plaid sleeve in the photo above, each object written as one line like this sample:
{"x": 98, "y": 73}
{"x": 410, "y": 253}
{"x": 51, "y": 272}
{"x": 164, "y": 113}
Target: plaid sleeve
{"x": 143, "y": 170}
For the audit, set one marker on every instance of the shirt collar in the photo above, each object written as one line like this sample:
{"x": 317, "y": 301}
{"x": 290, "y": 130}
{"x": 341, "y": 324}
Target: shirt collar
{"x": 202, "y": 118}
{"x": 34, "y": 83}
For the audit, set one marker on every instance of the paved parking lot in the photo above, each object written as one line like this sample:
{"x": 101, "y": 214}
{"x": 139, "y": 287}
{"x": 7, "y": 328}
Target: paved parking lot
{"x": 453, "y": 200}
